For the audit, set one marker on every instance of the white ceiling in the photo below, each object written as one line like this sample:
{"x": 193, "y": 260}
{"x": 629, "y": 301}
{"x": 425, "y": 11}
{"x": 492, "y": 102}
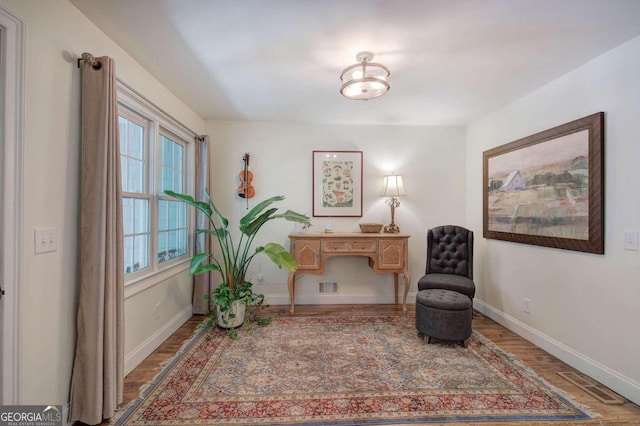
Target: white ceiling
{"x": 451, "y": 61}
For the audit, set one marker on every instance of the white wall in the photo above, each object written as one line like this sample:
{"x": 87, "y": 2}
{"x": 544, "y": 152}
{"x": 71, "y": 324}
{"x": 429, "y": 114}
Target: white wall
{"x": 431, "y": 160}
{"x": 57, "y": 34}
{"x": 584, "y": 306}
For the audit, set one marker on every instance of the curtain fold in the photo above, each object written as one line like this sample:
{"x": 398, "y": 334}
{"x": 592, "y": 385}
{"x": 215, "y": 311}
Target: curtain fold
{"x": 98, "y": 370}
{"x": 202, "y": 283}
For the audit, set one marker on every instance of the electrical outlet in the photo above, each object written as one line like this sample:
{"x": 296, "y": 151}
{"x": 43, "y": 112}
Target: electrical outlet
{"x": 630, "y": 240}
{"x": 526, "y": 305}
{"x": 45, "y": 240}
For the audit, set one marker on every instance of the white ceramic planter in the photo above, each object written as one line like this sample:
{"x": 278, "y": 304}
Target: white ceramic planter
{"x": 237, "y": 308}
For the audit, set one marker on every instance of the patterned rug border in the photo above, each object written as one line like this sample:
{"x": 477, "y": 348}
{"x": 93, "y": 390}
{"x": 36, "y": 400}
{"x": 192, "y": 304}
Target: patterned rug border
{"x": 165, "y": 367}
{"x": 123, "y": 414}
{"x": 568, "y": 398}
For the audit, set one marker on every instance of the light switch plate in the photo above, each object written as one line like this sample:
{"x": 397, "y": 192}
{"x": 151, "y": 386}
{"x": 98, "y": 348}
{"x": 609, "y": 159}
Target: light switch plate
{"x": 45, "y": 240}
{"x": 631, "y": 240}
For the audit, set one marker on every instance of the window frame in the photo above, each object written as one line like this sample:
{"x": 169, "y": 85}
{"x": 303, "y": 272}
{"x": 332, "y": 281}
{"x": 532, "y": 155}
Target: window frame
{"x": 158, "y": 197}
{"x": 158, "y": 121}
{"x": 147, "y": 187}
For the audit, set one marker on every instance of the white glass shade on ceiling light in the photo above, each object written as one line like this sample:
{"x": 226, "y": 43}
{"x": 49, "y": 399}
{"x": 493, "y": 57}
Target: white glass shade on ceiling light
{"x": 364, "y": 80}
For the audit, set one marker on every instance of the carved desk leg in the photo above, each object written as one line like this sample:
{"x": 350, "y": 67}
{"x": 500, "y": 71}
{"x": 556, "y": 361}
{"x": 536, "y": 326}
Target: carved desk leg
{"x": 395, "y": 286}
{"x": 292, "y": 291}
{"x": 405, "y": 275}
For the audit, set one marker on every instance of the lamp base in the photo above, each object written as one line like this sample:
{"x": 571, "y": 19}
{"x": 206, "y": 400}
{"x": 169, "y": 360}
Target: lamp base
{"x": 392, "y": 229}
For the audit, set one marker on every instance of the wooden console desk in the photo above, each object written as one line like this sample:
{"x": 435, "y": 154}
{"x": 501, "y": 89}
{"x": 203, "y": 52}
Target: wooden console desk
{"x": 387, "y": 253}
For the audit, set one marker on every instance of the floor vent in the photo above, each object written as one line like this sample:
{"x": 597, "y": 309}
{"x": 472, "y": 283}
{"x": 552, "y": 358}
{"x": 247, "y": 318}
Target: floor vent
{"x": 328, "y": 286}
{"x": 595, "y": 389}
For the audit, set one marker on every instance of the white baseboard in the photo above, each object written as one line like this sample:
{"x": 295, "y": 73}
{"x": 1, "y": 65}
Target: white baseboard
{"x": 335, "y": 299}
{"x": 65, "y": 414}
{"x": 136, "y": 356}
{"x": 608, "y": 377}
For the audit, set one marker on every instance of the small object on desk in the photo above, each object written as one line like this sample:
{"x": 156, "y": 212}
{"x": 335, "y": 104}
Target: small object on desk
{"x": 370, "y": 228}
{"x": 300, "y": 228}
{"x": 328, "y": 228}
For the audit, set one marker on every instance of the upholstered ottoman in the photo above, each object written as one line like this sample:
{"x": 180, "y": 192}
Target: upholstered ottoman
{"x": 444, "y": 314}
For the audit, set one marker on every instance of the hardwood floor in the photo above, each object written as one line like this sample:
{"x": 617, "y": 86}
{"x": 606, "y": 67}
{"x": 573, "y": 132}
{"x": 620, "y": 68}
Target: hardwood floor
{"x": 544, "y": 364}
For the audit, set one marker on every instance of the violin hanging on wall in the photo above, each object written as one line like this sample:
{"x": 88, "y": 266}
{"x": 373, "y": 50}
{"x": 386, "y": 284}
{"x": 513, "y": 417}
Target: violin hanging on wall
{"x": 245, "y": 190}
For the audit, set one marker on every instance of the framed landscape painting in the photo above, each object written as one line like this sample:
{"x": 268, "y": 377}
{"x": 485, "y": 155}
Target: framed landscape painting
{"x": 548, "y": 189}
{"x": 337, "y": 183}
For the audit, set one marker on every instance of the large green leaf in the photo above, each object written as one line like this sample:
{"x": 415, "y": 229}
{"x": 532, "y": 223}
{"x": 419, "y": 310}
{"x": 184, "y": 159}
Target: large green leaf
{"x": 258, "y": 209}
{"x": 218, "y": 232}
{"x": 294, "y": 217}
{"x": 280, "y": 256}
{"x": 223, "y": 220}
{"x": 203, "y": 207}
{"x": 253, "y": 226}
{"x": 197, "y": 260}
{"x": 206, "y": 268}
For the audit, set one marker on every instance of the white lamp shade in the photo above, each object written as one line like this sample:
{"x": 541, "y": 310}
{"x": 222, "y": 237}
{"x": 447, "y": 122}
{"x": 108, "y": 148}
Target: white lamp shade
{"x": 393, "y": 186}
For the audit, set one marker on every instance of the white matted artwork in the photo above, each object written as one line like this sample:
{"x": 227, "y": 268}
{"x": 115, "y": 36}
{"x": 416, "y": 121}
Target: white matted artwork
{"x": 337, "y": 183}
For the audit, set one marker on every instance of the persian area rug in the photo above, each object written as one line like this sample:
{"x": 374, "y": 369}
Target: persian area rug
{"x": 343, "y": 371}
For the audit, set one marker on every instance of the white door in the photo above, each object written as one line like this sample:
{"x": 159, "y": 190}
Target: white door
{"x": 12, "y": 51}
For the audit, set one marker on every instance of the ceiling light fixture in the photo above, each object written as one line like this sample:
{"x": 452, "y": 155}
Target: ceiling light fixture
{"x": 365, "y": 80}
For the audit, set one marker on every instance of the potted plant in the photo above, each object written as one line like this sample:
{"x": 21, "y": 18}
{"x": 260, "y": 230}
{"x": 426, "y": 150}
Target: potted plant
{"x": 234, "y": 292}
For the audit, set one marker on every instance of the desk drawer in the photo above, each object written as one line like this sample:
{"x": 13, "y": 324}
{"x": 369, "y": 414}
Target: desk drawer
{"x": 307, "y": 253}
{"x": 350, "y": 246}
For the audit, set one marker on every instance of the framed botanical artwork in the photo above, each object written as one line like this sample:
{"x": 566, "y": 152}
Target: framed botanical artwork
{"x": 548, "y": 189}
{"x": 337, "y": 183}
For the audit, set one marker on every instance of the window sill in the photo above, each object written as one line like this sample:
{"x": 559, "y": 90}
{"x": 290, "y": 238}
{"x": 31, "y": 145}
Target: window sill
{"x": 139, "y": 285}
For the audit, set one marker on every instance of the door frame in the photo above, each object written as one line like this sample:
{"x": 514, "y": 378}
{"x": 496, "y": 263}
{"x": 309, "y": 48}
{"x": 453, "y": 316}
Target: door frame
{"x": 12, "y": 78}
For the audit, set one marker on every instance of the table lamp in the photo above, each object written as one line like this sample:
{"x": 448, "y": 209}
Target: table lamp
{"x": 393, "y": 188}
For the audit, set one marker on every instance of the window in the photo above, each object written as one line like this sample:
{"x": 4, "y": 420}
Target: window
{"x": 172, "y": 215}
{"x": 154, "y": 158}
{"x": 136, "y": 198}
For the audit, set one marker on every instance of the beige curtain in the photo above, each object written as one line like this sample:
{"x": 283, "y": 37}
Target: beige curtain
{"x": 98, "y": 369}
{"x": 202, "y": 284}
